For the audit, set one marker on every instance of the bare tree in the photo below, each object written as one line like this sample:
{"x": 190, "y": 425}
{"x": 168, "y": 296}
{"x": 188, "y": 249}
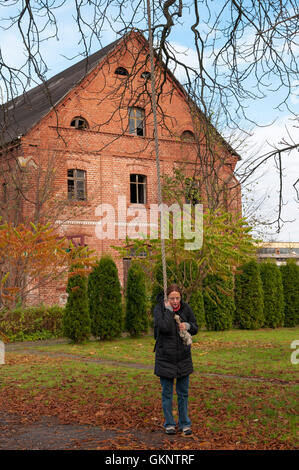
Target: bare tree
{"x": 244, "y": 50}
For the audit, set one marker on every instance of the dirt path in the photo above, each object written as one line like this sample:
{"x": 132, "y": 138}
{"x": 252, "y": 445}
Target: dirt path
{"x": 49, "y": 433}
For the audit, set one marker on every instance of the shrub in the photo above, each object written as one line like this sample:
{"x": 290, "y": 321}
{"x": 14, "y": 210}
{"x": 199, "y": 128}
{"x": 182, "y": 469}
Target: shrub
{"x": 196, "y": 302}
{"x": 33, "y": 323}
{"x": 219, "y": 302}
{"x": 107, "y": 318}
{"x": 76, "y": 320}
{"x": 290, "y": 281}
{"x": 187, "y": 276}
{"x": 249, "y": 297}
{"x": 183, "y": 275}
{"x": 93, "y": 290}
{"x": 136, "y": 301}
{"x": 273, "y": 294}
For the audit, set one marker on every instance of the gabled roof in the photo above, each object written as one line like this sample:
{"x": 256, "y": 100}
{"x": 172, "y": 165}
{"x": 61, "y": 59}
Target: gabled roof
{"x": 21, "y": 114}
{"x": 18, "y": 116}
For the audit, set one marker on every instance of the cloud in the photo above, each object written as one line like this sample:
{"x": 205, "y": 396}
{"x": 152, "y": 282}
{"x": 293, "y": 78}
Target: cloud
{"x": 187, "y": 56}
{"x": 12, "y": 49}
{"x": 268, "y": 177}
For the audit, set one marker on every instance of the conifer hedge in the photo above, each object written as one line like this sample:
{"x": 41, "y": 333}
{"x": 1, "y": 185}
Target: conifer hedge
{"x": 219, "y": 302}
{"x": 273, "y": 294}
{"x": 93, "y": 297}
{"x": 183, "y": 275}
{"x": 158, "y": 279}
{"x": 136, "y": 301}
{"x": 290, "y": 281}
{"x": 105, "y": 302}
{"x": 196, "y": 302}
{"x": 76, "y": 319}
{"x": 187, "y": 278}
{"x": 249, "y": 297}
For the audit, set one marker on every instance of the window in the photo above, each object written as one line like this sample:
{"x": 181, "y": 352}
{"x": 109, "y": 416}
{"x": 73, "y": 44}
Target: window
{"x": 77, "y": 240}
{"x": 137, "y": 189}
{"x": 192, "y": 195}
{"x": 187, "y": 136}
{"x": 76, "y": 185}
{"x": 266, "y": 251}
{"x": 121, "y": 71}
{"x": 146, "y": 75}
{"x": 136, "y": 121}
{"x": 79, "y": 123}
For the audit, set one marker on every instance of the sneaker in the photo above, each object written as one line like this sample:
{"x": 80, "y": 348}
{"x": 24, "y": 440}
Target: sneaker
{"x": 170, "y": 430}
{"x": 187, "y": 431}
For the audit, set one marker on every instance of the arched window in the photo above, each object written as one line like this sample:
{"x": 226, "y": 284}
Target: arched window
{"x": 121, "y": 71}
{"x": 76, "y": 184}
{"x": 79, "y": 123}
{"x": 187, "y": 136}
{"x": 146, "y": 75}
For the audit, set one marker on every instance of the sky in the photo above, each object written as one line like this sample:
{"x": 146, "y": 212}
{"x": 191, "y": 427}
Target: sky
{"x": 62, "y": 51}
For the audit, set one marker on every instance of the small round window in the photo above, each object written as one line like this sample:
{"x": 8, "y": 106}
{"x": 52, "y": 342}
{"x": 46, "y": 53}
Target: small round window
{"x": 146, "y": 75}
{"x": 121, "y": 71}
{"x": 79, "y": 123}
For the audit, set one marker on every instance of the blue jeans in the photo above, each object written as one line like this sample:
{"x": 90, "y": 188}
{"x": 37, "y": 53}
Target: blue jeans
{"x": 182, "y": 388}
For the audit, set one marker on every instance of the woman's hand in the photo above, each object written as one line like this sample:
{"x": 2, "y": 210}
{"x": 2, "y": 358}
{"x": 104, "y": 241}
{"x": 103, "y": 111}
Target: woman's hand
{"x": 183, "y": 326}
{"x": 168, "y": 305}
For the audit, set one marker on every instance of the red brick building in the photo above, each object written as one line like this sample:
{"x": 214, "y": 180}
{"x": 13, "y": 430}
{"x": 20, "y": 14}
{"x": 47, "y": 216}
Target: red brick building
{"x": 85, "y": 138}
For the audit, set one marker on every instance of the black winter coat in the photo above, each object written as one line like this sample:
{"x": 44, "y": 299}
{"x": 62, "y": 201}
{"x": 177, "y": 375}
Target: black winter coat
{"x": 173, "y": 357}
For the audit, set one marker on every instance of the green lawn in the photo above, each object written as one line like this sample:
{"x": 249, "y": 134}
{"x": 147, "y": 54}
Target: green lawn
{"x": 227, "y": 412}
{"x": 261, "y": 353}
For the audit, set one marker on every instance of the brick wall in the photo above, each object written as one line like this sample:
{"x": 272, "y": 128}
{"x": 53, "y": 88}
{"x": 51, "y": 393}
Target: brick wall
{"x": 106, "y": 151}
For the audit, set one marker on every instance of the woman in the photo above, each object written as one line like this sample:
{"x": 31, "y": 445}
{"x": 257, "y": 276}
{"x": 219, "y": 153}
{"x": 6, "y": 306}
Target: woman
{"x": 173, "y": 356}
